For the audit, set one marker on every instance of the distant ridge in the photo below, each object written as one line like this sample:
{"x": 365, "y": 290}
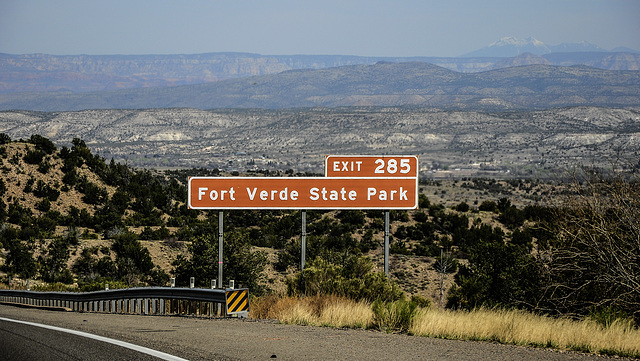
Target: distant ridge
{"x": 382, "y": 84}
{"x": 88, "y": 73}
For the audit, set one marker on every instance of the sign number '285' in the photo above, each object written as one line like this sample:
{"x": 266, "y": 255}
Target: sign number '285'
{"x": 391, "y": 166}
{"x": 371, "y": 166}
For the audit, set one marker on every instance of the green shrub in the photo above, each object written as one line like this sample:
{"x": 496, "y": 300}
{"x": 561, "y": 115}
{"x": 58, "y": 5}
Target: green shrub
{"x": 54, "y": 287}
{"x": 44, "y": 205}
{"x": 4, "y": 139}
{"x": 488, "y": 206}
{"x": 44, "y": 166}
{"x": 34, "y": 156}
{"x": 421, "y": 301}
{"x": 354, "y": 279}
{"x": 93, "y": 194}
{"x": 607, "y": 315}
{"x": 101, "y": 285}
{"x": 462, "y": 207}
{"x": 394, "y": 316}
{"x": 399, "y": 247}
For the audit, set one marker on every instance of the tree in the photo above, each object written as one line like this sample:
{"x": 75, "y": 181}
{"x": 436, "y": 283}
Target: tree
{"x": 444, "y": 265}
{"x": 595, "y": 259}
{"x": 132, "y": 259}
{"x": 34, "y": 156}
{"x": 4, "y": 139}
{"x": 498, "y": 274}
{"x": 240, "y": 263}
{"x": 42, "y": 143}
{"x": 19, "y": 259}
{"x": 462, "y": 207}
{"x": 89, "y": 267}
{"x": 54, "y": 262}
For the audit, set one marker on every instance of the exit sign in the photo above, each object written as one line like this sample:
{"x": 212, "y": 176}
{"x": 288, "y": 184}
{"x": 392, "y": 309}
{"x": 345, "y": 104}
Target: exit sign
{"x": 400, "y": 166}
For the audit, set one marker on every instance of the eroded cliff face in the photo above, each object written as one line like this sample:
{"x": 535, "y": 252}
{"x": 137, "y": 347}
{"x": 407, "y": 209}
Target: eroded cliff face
{"x": 78, "y": 73}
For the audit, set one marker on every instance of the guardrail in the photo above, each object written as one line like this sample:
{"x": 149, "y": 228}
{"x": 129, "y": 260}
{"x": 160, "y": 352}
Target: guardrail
{"x": 145, "y": 301}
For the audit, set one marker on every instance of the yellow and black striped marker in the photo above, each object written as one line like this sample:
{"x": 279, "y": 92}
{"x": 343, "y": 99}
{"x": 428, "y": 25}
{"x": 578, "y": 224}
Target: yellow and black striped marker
{"x": 237, "y": 300}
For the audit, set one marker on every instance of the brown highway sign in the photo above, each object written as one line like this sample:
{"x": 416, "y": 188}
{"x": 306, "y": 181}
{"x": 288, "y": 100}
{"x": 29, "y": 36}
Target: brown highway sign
{"x": 302, "y": 193}
{"x": 392, "y": 166}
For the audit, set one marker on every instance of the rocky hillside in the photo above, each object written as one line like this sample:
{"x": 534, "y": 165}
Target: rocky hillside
{"x": 449, "y": 143}
{"x": 63, "y": 209}
{"x": 35, "y": 181}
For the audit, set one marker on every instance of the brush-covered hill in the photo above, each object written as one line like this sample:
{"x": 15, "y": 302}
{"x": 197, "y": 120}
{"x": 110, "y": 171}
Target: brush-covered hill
{"x": 69, "y": 183}
{"x": 67, "y": 215}
{"x": 39, "y": 181}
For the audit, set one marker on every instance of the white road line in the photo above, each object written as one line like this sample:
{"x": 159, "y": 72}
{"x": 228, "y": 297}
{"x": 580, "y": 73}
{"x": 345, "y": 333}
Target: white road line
{"x": 145, "y": 350}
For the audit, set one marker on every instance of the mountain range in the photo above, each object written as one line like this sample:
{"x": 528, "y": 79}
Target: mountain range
{"x": 415, "y": 84}
{"x": 510, "y": 73}
{"x": 86, "y": 73}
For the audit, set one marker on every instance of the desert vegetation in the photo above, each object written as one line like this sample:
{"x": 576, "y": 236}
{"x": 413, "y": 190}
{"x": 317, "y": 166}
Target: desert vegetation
{"x": 516, "y": 327}
{"x": 562, "y": 254}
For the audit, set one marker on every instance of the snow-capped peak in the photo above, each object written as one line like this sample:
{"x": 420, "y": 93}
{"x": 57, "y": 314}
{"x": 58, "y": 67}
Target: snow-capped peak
{"x": 512, "y": 46}
{"x": 512, "y": 40}
{"x": 535, "y": 42}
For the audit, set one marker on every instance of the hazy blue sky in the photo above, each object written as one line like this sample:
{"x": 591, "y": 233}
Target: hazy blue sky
{"x": 270, "y": 27}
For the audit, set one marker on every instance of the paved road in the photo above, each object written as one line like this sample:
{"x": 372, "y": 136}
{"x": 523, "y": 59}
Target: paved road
{"x": 27, "y": 342}
{"x": 234, "y": 339}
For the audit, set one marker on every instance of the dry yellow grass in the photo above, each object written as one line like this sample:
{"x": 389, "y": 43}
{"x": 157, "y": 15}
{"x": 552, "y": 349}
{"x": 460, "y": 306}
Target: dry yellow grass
{"x": 509, "y": 327}
{"x": 314, "y": 310}
{"x": 522, "y": 328}
{"x": 347, "y": 313}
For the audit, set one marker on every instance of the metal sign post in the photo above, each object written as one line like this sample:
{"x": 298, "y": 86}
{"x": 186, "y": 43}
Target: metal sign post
{"x": 220, "y": 242}
{"x": 386, "y": 243}
{"x": 303, "y": 240}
